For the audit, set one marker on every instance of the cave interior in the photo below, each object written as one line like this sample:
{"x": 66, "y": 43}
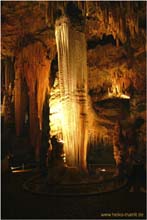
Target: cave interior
{"x": 107, "y": 50}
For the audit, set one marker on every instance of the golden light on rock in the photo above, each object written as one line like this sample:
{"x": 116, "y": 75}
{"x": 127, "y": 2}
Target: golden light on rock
{"x": 116, "y": 92}
{"x": 68, "y": 108}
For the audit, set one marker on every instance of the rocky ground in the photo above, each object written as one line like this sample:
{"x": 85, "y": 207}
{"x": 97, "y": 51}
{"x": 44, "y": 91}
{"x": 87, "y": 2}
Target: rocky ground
{"x": 19, "y": 204}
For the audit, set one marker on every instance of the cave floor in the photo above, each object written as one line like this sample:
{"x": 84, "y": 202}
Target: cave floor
{"x": 19, "y": 204}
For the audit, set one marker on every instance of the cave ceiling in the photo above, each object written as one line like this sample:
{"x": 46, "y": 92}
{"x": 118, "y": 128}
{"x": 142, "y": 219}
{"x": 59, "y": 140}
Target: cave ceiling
{"x": 115, "y": 33}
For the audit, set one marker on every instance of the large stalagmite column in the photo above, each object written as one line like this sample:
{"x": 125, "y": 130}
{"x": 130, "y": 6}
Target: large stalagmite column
{"x": 72, "y": 63}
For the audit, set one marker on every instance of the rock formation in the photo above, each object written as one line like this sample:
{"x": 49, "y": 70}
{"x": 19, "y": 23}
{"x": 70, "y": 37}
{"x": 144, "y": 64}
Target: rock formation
{"x": 116, "y": 62}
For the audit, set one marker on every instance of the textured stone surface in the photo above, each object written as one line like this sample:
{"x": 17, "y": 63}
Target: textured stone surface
{"x": 116, "y": 52}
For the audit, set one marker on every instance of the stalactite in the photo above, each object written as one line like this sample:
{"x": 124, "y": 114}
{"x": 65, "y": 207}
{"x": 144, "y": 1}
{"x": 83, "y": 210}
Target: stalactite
{"x": 35, "y": 132}
{"x": 46, "y": 13}
{"x": 33, "y": 64}
{"x": 7, "y": 93}
{"x": 137, "y": 25}
{"x": 112, "y": 17}
{"x": 36, "y": 69}
{"x": 7, "y": 73}
{"x": 125, "y": 9}
{"x": 87, "y": 7}
{"x": 19, "y": 110}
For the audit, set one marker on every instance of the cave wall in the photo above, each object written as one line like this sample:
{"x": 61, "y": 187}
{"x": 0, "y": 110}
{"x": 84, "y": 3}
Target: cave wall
{"x": 108, "y": 62}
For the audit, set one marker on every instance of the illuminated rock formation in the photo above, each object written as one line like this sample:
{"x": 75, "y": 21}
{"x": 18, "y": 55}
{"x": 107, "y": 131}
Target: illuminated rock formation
{"x": 71, "y": 47}
{"x": 32, "y": 65}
